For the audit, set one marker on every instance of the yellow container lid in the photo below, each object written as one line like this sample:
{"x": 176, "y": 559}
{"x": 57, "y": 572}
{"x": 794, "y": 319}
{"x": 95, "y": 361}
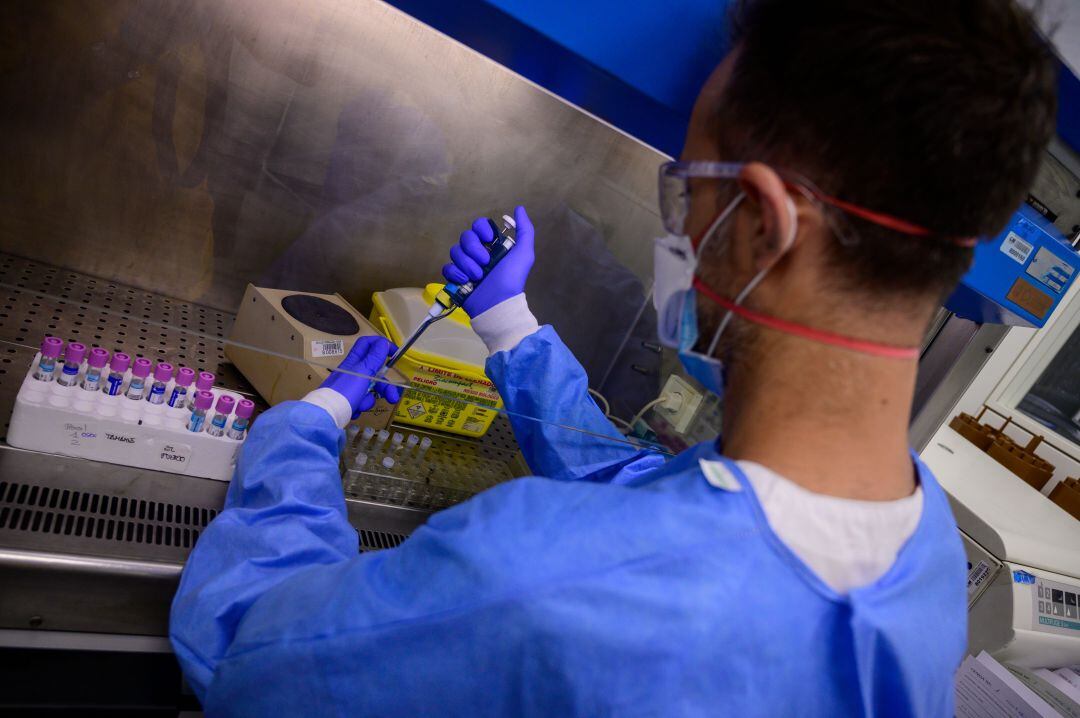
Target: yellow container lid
{"x": 449, "y": 342}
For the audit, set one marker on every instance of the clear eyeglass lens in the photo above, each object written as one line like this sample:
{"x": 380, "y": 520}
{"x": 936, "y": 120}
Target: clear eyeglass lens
{"x": 674, "y": 198}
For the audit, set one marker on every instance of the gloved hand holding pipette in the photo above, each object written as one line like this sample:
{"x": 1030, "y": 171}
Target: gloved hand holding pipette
{"x": 471, "y": 256}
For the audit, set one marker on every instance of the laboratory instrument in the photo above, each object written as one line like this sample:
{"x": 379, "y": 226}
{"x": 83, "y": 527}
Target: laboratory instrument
{"x": 184, "y": 379}
{"x": 95, "y": 365}
{"x": 200, "y": 405}
{"x": 244, "y": 409}
{"x": 163, "y": 374}
{"x": 220, "y": 419}
{"x": 449, "y": 390}
{"x": 61, "y": 419}
{"x": 455, "y": 295}
{"x": 140, "y": 371}
{"x": 50, "y": 352}
{"x": 73, "y": 357}
{"x": 117, "y": 367}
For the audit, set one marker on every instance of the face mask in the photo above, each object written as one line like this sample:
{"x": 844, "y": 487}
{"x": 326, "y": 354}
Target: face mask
{"x": 675, "y": 263}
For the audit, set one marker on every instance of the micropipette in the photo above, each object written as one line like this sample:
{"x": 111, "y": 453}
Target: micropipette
{"x": 454, "y": 295}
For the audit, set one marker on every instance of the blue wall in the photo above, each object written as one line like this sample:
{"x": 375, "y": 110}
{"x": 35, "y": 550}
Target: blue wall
{"x": 638, "y": 65}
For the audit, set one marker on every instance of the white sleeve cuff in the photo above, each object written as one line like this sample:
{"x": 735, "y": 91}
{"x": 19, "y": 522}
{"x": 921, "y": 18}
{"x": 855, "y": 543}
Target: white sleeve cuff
{"x": 503, "y": 326}
{"x": 337, "y": 406}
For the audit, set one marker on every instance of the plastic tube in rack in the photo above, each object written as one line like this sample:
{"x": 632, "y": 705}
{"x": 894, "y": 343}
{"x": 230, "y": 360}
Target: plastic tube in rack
{"x": 412, "y": 441}
{"x": 200, "y": 404}
{"x": 95, "y": 365}
{"x": 50, "y": 352}
{"x": 73, "y": 359}
{"x": 224, "y": 408}
{"x": 425, "y": 444}
{"x": 361, "y": 460}
{"x": 388, "y": 462}
{"x": 162, "y": 375}
{"x": 140, "y": 371}
{"x": 184, "y": 378}
{"x": 396, "y": 440}
{"x": 383, "y": 436}
{"x": 367, "y": 433}
{"x": 244, "y": 409}
{"x": 119, "y": 365}
{"x": 203, "y": 382}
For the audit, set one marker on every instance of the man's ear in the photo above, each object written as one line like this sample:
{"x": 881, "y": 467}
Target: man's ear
{"x": 777, "y": 221}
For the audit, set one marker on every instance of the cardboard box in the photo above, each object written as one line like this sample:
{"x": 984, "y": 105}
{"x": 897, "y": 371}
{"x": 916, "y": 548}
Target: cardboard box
{"x": 285, "y": 344}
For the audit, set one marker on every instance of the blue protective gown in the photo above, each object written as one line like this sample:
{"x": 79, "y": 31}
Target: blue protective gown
{"x": 620, "y": 585}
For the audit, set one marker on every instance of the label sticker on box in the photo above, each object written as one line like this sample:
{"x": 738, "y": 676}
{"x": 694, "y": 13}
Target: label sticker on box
{"x": 328, "y": 348}
{"x": 1016, "y": 247}
{"x": 172, "y": 455}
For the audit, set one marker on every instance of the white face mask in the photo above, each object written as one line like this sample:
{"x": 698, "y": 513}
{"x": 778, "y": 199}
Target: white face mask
{"x": 674, "y": 265}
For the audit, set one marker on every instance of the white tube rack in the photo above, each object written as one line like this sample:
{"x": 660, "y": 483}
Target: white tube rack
{"x": 93, "y": 425}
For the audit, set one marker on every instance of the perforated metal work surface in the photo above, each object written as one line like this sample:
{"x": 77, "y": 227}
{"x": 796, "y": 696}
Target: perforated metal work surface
{"x": 37, "y": 299}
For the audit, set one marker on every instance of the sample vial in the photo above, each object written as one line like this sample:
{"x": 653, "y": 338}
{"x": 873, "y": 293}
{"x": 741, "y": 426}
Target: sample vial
{"x": 367, "y": 433}
{"x": 119, "y": 364}
{"x": 162, "y": 375}
{"x": 140, "y": 371}
{"x": 425, "y": 444}
{"x": 396, "y": 440}
{"x": 412, "y": 441}
{"x": 350, "y": 432}
{"x": 50, "y": 352}
{"x": 244, "y": 409}
{"x": 388, "y": 462}
{"x": 94, "y": 365}
{"x": 200, "y": 404}
{"x": 224, "y": 407}
{"x": 73, "y": 358}
{"x": 184, "y": 378}
{"x": 204, "y": 382}
{"x": 382, "y": 437}
{"x": 360, "y": 461}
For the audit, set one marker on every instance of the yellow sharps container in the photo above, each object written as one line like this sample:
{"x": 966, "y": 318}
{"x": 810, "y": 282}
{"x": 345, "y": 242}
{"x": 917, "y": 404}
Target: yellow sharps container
{"x": 445, "y": 366}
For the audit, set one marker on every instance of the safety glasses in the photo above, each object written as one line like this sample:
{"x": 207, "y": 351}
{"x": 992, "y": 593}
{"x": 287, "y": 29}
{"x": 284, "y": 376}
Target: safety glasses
{"x": 675, "y": 196}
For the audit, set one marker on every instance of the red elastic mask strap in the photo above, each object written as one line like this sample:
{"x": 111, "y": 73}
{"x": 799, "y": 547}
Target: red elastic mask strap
{"x": 887, "y": 351}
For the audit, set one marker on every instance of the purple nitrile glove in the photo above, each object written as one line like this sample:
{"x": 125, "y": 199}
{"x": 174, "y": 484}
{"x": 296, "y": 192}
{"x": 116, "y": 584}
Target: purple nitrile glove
{"x": 469, "y": 256}
{"x": 367, "y": 356}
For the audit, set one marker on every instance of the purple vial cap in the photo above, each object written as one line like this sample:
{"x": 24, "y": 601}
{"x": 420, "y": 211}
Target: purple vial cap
{"x": 98, "y": 357}
{"x": 75, "y": 353}
{"x": 225, "y": 404}
{"x": 120, "y": 362}
{"x": 51, "y": 346}
{"x": 245, "y": 408}
{"x": 185, "y": 376}
{"x": 163, "y": 371}
{"x": 205, "y": 381}
{"x": 203, "y": 399}
{"x": 141, "y": 367}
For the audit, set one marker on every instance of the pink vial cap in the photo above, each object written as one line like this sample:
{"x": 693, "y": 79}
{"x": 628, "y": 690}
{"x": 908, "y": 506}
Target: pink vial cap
{"x": 98, "y": 357}
{"x": 245, "y": 408}
{"x": 75, "y": 353}
{"x": 141, "y": 367}
{"x": 185, "y": 376}
{"x": 163, "y": 371}
{"x": 205, "y": 381}
{"x": 203, "y": 399}
{"x": 51, "y": 347}
{"x": 225, "y": 404}
{"x": 120, "y": 362}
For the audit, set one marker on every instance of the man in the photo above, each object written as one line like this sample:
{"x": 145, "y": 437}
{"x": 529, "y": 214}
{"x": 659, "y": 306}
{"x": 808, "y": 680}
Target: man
{"x": 837, "y": 169}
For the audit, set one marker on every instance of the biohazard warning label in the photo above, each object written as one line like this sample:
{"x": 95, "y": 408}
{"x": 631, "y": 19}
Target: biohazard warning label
{"x": 416, "y": 410}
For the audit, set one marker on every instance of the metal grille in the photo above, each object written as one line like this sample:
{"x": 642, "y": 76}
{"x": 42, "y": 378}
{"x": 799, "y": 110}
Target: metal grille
{"x": 42, "y": 509}
{"x": 38, "y": 299}
{"x": 378, "y": 540}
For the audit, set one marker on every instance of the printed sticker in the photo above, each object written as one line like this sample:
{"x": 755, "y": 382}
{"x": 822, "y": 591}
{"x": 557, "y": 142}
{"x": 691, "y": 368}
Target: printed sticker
{"x": 327, "y": 348}
{"x": 416, "y": 410}
{"x": 977, "y": 576}
{"x": 1016, "y": 247}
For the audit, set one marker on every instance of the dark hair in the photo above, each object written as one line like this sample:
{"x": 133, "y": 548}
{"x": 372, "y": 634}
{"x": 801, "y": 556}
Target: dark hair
{"x": 934, "y": 111}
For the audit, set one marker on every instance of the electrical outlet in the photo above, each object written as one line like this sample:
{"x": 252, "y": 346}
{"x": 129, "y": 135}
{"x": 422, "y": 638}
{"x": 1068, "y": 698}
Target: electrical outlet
{"x": 682, "y": 404}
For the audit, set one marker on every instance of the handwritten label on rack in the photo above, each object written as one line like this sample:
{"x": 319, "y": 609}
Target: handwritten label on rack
{"x": 172, "y": 455}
